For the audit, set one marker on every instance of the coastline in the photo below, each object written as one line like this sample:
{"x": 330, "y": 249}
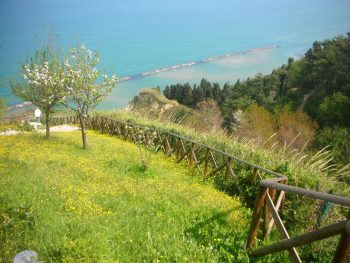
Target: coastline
{"x": 24, "y": 105}
{"x": 198, "y": 62}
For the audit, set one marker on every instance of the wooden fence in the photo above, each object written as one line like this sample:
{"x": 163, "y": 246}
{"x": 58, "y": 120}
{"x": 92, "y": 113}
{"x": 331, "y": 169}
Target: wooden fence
{"x": 213, "y": 162}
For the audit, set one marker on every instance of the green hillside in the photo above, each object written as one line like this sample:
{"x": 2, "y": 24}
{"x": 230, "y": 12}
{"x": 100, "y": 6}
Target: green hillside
{"x": 303, "y": 169}
{"x": 305, "y": 102}
{"x": 151, "y": 104}
{"x": 99, "y": 205}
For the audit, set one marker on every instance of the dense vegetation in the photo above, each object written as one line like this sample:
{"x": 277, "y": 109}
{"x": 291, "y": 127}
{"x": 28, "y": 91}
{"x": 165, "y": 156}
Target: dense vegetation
{"x": 309, "y": 96}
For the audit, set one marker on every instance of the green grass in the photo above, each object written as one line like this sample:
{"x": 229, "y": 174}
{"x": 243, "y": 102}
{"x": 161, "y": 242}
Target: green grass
{"x": 99, "y": 205}
{"x": 305, "y": 169}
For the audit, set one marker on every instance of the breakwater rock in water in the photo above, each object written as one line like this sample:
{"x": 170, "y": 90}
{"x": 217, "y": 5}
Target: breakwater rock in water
{"x": 193, "y": 63}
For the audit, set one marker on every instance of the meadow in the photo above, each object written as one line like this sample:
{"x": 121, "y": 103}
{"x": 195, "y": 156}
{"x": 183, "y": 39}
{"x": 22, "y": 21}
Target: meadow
{"x": 100, "y": 205}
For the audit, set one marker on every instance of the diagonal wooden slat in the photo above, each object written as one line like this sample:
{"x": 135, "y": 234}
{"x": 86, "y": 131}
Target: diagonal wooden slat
{"x": 217, "y": 170}
{"x": 184, "y": 155}
{"x": 162, "y": 142}
{"x": 117, "y": 128}
{"x": 302, "y": 239}
{"x": 213, "y": 160}
{"x": 126, "y": 135}
{"x": 277, "y": 205}
{"x": 198, "y": 153}
{"x": 193, "y": 154}
{"x": 161, "y": 145}
{"x": 280, "y": 226}
{"x": 110, "y": 127}
{"x": 105, "y": 125}
{"x": 184, "y": 150}
{"x": 132, "y": 135}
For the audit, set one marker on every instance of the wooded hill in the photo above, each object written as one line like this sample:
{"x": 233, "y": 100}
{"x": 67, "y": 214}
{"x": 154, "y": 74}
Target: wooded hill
{"x": 309, "y": 96}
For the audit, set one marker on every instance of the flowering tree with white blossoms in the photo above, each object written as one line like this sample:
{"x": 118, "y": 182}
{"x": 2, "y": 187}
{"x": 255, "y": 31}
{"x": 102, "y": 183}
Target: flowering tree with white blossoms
{"x": 42, "y": 82}
{"x": 82, "y": 93}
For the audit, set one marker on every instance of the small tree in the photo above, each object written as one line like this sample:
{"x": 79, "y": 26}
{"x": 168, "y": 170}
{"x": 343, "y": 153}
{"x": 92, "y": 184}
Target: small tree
{"x": 83, "y": 94}
{"x": 42, "y": 82}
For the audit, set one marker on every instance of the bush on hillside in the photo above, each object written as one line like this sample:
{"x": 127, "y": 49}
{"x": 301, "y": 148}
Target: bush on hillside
{"x": 210, "y": 116}
{"x": 258, "y": 123}
{"x": 339, "y": 141}
{"x": 334, "y": 110}
{"x": 296, "y": 129}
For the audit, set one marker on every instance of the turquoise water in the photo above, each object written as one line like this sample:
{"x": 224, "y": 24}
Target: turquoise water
{"x": 137, "y": 36}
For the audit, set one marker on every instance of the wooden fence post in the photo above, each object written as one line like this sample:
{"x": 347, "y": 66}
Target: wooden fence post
{"x": 253, "y": 176}
{"x": 228, "y": 167}
{"x": 168, "y": 150}
{"x": 178, "y": 148}
{"x": 191, "y": 155}
{"x": 254, "y": 225}
{"x": 206, "y": 161}
{"x": 267, "y": 219}
{"x": 343, "y": 248}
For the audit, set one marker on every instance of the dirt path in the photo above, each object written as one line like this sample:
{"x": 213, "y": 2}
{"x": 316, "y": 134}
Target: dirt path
{"x": 59, "y": 128}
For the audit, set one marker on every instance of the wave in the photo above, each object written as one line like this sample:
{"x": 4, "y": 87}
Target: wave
{"x": 193, "y": 63}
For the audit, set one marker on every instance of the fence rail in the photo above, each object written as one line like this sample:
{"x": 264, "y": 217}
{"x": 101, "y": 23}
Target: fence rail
{"x": 211, "y": 162}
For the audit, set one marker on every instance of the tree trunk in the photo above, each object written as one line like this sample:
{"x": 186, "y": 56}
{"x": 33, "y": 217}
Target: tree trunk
{"x": 83, "y": 130}
{"x": 47, "y": 121}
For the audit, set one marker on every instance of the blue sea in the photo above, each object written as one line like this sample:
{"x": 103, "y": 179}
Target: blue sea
{"x": 136, "y": 36}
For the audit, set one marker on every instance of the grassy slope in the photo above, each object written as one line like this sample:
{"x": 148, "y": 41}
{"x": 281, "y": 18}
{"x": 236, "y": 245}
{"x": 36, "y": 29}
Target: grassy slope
{"x": 99, "y": 206}
{"x": 305, "y": 169}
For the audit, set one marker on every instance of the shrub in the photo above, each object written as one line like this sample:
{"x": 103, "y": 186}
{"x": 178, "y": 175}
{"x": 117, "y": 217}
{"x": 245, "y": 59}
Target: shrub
{"x": 210, "y": 119}
{"x": 339, "y": 140}
{"x": 296, "y": 129}
{"x": 258, "y": 123}
{"x": 335, "y": 110}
